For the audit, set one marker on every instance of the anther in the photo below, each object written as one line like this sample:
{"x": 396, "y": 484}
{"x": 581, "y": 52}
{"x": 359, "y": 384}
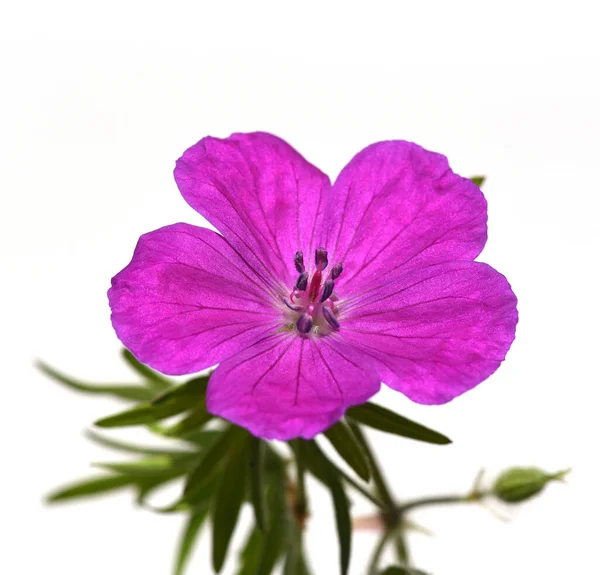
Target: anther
{"x": 291, "y": 306}
{"x": 336, "y": 271}
{"x": 304, "y": 324}
{"x": 327, "y": 290}
{"x": 321, "y": 258}
{"x": 302, "y": 281}
{"x": 331, "y": 320}
{"x": 299, "y": 262}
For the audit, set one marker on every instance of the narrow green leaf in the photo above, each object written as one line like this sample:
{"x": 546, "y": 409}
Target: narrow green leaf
{"x": 323, "y": 469}
{"x": 212, "y": 462}
{"x": 91, "y": 487}
{"x": 385, "y": 420}
{"x": 128, "y": 392}
{"x": 193, "y": 389}
{"x": 344, "y": 442}
{"x": 280, "y": 518}
{"x": 397, "y": 570}
{"x": 156, "y": 382}
{"x": 145, "y": 414}
{"x": 229, "y": 498}
{"x": 192, "y": 422}
{"x": 401, "y": 547}
{"x": 154, "y": 466}
{"x": 250, "y": 555}
{"x": 130, "y": 447}
{"x": 257, "y": 484}
{"x": 147, "y": 484}
{"x": 189, "y": 537}
{"x": 295, "y": 560}
{"x": 478, "y": 180}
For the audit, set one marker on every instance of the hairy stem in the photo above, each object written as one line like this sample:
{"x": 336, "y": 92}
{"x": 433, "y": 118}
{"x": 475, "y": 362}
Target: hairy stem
{"x": 441, "y": 500}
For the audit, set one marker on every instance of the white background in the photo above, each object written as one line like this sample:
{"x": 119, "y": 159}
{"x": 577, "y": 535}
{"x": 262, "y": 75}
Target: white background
{"x": 98, "y": 99}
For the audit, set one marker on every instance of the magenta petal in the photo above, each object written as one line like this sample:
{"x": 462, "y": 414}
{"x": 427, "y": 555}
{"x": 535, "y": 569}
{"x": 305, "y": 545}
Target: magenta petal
{"x": 286, "y": 386}
{"x": 187, "y": 300}
{"x": 435, "y": 332}
{"x": 261, "y": 194}
{"x": 395, "y": 207}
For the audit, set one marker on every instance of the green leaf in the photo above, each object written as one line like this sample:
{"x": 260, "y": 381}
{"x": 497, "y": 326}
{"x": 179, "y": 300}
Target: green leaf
{"x": 147, "y": 484}
{"x": 324, "y": 470}
{"x": 401, "y": 547}
{"x": 91, "y": 487}
{"x": 189, "y": 537}
{"x": 212, "y": 462}
{"x": 344, "y": 442}
{"x": 154, "y": 466}
{"x": 478, "y": 180}
{"x": 230, "y": 496}
{"x": 194, "y": 389}
{"x": 156, "y": 382}
{"x": 146, "y": 413}
{"x": 397, "y": 570}
{"x": 128, "y": 392}
{"x": 280, "y": 518}
{"x": 385, "y": 420}
{"x": 130, "y": 447}
{"x": 193, "y": 421}
{"x": 257, "y": 484}
{"x": 250, "y": 555}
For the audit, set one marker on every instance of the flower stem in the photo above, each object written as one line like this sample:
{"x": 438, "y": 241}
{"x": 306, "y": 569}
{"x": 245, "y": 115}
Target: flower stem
{"x": 442, "y": 500}
{"x": 380, "y": 484}
{"x": 376, "y": 557}
{"x": 365, "y": 492}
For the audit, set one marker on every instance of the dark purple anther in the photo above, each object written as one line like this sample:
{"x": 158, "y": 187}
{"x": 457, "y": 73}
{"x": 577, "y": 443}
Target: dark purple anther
{"x": 304, "y": 324}
{"x": 299, "y": 262}
{"x": 328, "y": 315}
{"x": 321, "y": 258}
{"x": 336, "y": 271}
{"x": 327, "y": 290}
{"x": 302, "y": 281}
{"x": 291, "y": 306}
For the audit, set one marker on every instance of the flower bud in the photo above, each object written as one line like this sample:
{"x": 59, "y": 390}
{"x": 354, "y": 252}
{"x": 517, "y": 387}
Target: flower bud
{"x": 522, "y": 483}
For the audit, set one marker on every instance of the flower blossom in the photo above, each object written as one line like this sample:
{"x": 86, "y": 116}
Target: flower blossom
{"x": 314, "y": 293}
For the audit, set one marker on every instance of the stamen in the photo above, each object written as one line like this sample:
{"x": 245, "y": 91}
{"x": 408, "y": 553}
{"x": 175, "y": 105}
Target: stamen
{"x": 327, "y": 290}
{"x": 336, "y": 271}
{"x": 299, "y": 262}
{"x": 330, "y": 318}
{"x": 302, "y": 281}
{"x": 304, "y": 324}
{"x": 321, "y": 258}
{"x": 291, "y": 306}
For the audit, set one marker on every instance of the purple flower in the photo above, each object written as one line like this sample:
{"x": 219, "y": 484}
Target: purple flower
{"x": 315, "y": 293}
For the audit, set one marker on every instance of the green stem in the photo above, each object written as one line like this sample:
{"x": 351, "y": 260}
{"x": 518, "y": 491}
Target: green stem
{"x": 441, "y": 500}
{"x": 365, "y": 492}
{"x": 376, "y": 557}
{"x": 380, "y": 483}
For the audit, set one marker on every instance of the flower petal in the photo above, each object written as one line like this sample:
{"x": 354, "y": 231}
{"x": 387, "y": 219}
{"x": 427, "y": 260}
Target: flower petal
{"x": 435, "y": 332}
{"x": 187, "y": 300}
{"x": 286, "y": 386}
{"x": 395, "y": 207}
{"x": 261, "y": 194}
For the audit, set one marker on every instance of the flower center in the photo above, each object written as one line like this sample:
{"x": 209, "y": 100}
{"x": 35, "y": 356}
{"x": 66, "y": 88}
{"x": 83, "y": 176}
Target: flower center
{"x": 312, "y": 302}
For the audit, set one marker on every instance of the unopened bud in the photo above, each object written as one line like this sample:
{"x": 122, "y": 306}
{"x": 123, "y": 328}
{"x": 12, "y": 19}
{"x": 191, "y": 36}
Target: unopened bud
{"x": 522, "y": 483}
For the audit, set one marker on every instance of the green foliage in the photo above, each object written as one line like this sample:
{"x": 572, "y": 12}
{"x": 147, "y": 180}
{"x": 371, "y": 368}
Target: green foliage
{"x": 229, "y": 498}
{"x": 222, "y": 468}
{"x": 478, "y": 180}
{"x": 345, "y": 443}
{"x": 385, "y": 420}
{"x": 124, "y": 391}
